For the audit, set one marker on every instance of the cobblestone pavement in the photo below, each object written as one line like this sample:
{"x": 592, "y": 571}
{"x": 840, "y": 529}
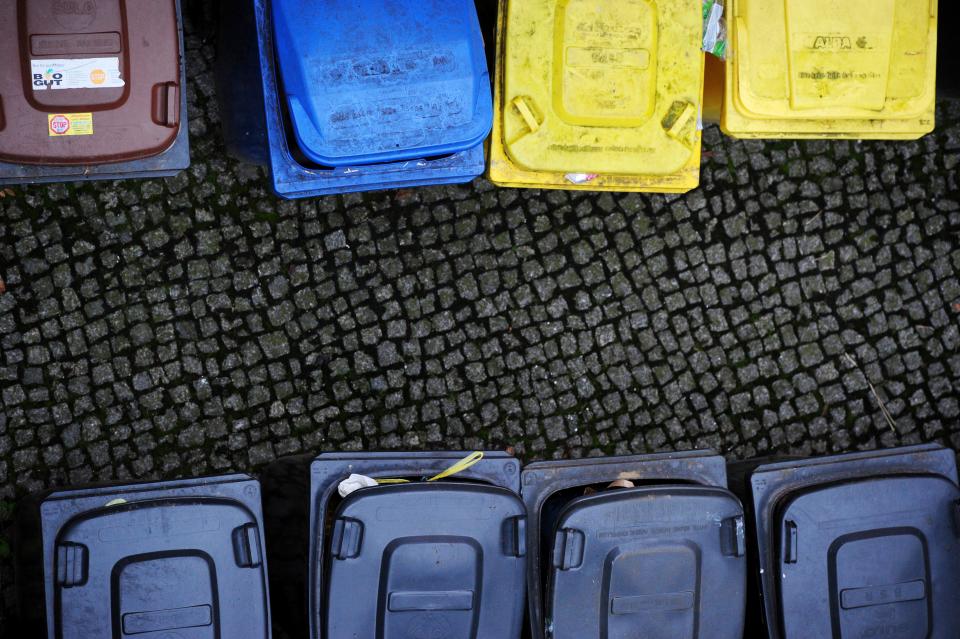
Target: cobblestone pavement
{"x": 198, "y": 325}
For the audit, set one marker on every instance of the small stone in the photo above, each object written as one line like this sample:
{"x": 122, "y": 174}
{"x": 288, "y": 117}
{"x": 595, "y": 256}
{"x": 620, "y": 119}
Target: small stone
{"x": 387, "y": 354}
{"x": 336, "y": 240}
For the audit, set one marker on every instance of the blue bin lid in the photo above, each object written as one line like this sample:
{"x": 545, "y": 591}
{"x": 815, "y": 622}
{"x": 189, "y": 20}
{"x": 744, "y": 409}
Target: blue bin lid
{"x": 870, "y": 558}
{"x": 663, "y": 562}
{"x": 178, "y": 560}
{"x": 438, "y": 559}
{"x": 381, "y": 82}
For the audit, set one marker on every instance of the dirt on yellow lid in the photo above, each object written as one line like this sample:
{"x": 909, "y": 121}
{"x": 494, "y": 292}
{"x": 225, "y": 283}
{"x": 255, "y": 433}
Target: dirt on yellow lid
{"x": 831, "y": 68}
{"x": 598, "y": 94}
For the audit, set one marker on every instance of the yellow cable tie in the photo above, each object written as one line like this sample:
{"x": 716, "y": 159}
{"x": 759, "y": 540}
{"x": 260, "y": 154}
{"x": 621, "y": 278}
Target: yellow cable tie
{"x": 460, "y": 466}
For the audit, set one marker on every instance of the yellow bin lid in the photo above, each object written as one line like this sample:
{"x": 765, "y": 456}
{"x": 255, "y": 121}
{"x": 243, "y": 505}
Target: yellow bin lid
{"x": 829, "y": 68}
{"x": 599, "y": 94}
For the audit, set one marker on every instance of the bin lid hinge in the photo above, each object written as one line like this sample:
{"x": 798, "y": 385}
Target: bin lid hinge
{"x": 733, "y": 539}
{"x": 246, "y": 546}
{"x": 515, "y": 536}
{"x": 346, "y": 538}
{"x": 790, "y": 540}
{"x": 523, "y": 106}
{"x": 568, "y": 549}
{"x": 72, "y": 563}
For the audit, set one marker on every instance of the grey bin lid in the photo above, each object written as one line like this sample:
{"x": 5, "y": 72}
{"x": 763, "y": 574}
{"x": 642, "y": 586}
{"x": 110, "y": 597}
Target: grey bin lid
{"x": 663, "y": 562}
{"x": 167, "y": 560}
{"x": 437, "y": 560}
{"x": 189, "y": 568}
{"x": 871, "y": 558}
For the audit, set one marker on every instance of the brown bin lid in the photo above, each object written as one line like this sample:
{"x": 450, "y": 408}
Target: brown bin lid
{"x": 88, "y": 81}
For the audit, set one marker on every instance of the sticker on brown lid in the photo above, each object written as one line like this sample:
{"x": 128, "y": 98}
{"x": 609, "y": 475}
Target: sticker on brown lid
{"x": 85, "y": 73}
{"x": 69, "y": 124}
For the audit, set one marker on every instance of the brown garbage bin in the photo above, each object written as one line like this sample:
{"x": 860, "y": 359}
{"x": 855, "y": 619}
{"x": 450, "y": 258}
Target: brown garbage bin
{"x": 93, "y": 89}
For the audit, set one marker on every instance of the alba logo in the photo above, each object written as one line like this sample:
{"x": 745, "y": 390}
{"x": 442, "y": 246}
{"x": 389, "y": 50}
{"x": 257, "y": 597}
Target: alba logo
{"x": 98, "y": 76}
{"x": 74, "y": 7}
{"x": 832, "y": 42}
{"x": 74, "y": 14}
{"x": 48, "y": 79}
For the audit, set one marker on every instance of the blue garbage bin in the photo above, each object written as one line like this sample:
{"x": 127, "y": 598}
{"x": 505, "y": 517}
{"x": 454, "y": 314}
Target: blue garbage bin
{"x": 171, "y": 560}
{"x": 356, "y": 96}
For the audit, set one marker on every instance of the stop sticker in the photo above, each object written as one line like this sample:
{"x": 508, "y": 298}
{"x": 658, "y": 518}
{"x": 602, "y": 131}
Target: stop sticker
{"x": 59, "y": 124}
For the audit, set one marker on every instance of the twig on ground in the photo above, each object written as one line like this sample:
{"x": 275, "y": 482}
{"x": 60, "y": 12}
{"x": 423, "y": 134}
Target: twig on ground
{"x": 873, "y": 389}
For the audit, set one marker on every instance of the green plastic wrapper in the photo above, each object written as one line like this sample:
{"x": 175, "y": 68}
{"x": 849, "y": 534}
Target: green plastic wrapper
{"x": 714, "y": 29}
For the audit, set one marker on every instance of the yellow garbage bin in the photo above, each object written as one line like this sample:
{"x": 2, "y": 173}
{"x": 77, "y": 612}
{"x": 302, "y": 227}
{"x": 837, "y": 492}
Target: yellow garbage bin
{"x": 830, "y": 69}
{"x": 598, "y": 95}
